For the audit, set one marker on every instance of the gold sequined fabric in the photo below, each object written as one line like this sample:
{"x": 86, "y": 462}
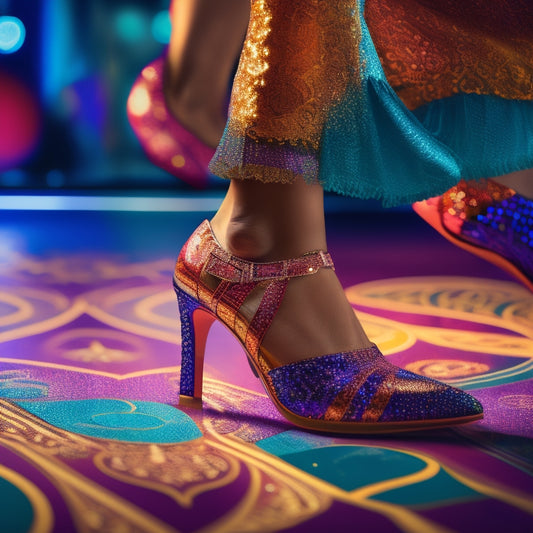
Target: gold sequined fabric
{"x": 298, "y": 59}
{"x": 296, "y": 62}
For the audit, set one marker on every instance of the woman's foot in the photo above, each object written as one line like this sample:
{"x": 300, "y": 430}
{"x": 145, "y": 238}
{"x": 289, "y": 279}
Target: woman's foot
{"x": 177, "y": 106}
{"x": 186, "y": 105}
{"x": 355, "y": 390}
{"x": 314, "y": 317}
{"x": 166, "y": 142}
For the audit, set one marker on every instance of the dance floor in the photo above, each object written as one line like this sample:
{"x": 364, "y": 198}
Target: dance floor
{"x": 92, "y": 438}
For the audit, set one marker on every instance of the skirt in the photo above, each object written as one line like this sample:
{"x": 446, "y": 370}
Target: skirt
{"x": 392, "y": 100}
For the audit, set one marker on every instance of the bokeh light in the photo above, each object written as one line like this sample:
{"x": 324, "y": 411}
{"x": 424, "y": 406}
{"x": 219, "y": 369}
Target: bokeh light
{"x": 55, "y": 178}
{"x": 12, "y": 34}
{"x": 20, "y": 122}
{"x": 16, "y": 177}
{"x": 131, "y": 25}
{"x": 161, "y": 27}
{"x": 139, "y": 101}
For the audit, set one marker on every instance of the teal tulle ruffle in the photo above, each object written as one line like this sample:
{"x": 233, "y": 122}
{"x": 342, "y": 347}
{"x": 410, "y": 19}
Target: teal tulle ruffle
{"x": 374, "y": 147}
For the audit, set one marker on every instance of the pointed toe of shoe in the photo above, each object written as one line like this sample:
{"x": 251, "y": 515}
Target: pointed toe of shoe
{"x": 427, "y": 400}
{"x": 363, "y": 392}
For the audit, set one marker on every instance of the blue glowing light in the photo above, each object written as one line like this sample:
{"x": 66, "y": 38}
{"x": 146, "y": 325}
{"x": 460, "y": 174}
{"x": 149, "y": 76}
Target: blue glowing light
{"x": 55, "y": 178}
{"x": 14, "y": 178}
{"x": 12, "y": 34}
{"x": 131, "y": 25}
{"x": 161, "y": 27}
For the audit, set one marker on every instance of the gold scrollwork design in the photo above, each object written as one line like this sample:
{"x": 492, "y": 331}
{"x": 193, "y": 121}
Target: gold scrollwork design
{"x": 181, "y": 471}
{"x": 517, "y": 401}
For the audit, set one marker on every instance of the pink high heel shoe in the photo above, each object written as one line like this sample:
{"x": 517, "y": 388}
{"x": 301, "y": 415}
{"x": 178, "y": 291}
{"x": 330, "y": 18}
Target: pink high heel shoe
{"x": 486, "y": 219}
{"x": 350, "y": 392}
{"x": 165, "y": 141}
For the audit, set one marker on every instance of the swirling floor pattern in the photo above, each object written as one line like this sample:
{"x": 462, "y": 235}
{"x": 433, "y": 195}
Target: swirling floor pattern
{"x": 92, "y": 437}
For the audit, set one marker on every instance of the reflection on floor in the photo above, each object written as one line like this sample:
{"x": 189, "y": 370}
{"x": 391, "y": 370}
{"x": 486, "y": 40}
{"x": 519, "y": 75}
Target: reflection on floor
{"x": 92, "y": 437}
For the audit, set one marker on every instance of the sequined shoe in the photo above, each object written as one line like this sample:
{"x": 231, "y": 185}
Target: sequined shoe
{"x": 165, "y": 141}
{"x": 488, "y": 220}
{"x": 350, "y": 392}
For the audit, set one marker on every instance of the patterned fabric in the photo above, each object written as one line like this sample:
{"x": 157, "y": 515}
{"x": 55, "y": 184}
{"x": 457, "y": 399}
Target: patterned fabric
{"x": 443, "y": 48}
{"x": 397, "y": 110}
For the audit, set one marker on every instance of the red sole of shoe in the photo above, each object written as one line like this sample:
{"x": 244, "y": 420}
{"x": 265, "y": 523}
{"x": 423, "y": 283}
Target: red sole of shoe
{"x": 432, "y": 216}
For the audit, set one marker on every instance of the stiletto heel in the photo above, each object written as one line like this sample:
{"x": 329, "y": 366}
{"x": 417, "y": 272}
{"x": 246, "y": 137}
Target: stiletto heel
{"x": 195, "y": 325}
{"x": 350, "y": 392}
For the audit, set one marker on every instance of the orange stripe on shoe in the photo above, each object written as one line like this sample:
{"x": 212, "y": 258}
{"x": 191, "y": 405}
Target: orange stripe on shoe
{"x": 380, "y": 400}
{"x": 342, "y": 402}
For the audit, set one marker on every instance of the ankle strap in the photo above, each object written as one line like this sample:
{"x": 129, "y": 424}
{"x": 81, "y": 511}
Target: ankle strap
{"x": 225, "y": 266}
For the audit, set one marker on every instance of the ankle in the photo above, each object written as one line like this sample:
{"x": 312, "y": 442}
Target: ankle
{"x": 193, "y": 97}
{"x": 271, "y": 222}
{"x": 245, "y": 237}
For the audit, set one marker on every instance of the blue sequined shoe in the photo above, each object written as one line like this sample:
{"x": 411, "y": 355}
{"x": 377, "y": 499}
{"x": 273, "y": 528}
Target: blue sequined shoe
{"x": 488, "y": 220}
{"x": 350, "y": 392}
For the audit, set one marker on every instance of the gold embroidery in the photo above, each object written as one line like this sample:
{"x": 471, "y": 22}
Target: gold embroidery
{"x": 435, "y": 50}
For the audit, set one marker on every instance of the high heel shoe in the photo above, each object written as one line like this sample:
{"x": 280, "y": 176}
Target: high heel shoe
{"x": 350, "y": 392}
{"x": 488, "y": 220}
{"x": 165, "y": 141}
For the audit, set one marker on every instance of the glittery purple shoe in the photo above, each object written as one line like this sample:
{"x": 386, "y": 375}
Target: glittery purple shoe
{"x": 350, "y": 392}
{"x": 488, "y": 220}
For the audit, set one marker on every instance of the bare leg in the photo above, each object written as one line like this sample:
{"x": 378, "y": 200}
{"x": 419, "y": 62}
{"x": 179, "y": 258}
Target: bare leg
{"x": 269, "y": 222}
{"x": 521, "y": 182}
{"x": 206, "y": 40}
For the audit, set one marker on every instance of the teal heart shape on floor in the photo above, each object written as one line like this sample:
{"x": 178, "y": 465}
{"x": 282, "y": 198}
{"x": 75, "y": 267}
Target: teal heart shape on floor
{"x": 123, "y": 420}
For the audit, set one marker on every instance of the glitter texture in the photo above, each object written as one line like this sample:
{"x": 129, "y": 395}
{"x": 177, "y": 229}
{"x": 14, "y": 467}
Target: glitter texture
{"x": 387, "y": 394}
{"x": 358, "y": 387}
{"x": 187, "y": 306}
{"x": 493, "y": 217}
